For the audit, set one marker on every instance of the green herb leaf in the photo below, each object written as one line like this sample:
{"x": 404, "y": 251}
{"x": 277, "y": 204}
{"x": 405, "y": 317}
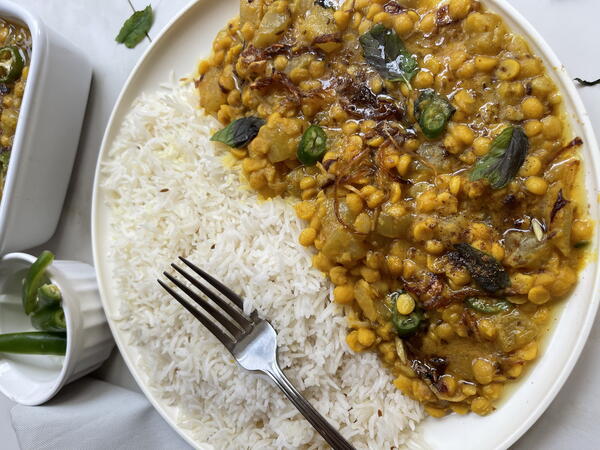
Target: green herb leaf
{"x": 488, "y": 306}
{"x": 485, "y": 270}
{"x": 587, "y": 83}
{"x": 240, "y": 132}
{"x": 384, "y": 50}
{"x": 313, "y": 145}
{"x": 506, "y": 156}
{"x": 135, "y": 28}
{"x": 433, "y": 111}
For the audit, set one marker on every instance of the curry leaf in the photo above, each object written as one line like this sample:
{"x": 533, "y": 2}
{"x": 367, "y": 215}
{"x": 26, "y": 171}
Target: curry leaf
{"x": 505, "y": 158}
{"x": 135, "y": 28}
{"x": 485, "y": 270}
{"x": 433, "y": 111}
{"x": 240, "y": 132}
{"x": 384, "y": 50}
{"x": 587, "y": 83}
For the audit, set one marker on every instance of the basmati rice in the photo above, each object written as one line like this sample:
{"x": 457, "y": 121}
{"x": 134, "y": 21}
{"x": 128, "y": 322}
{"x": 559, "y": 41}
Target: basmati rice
{"x": 169, "y": 194}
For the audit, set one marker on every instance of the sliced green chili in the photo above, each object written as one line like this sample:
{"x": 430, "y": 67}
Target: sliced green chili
{"x": 48, "y": 295}
{"x": 488, "y": 306}
{"x": 405, "y": 325}
{"x": 35, "y": 278}
{"x": 34, "y": 343}
{"x": 313, "y": 145}
{"x": 50, "y": 318}
{"x": 11, "y": 64}
{"x": 433, "y": 111}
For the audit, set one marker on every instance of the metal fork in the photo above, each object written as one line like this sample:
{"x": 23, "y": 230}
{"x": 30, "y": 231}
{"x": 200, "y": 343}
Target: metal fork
{"x": 252, "y": 341}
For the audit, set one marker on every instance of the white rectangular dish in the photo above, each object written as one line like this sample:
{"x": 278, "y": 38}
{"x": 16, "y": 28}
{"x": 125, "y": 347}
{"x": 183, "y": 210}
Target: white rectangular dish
{"x": 46, "y": 138}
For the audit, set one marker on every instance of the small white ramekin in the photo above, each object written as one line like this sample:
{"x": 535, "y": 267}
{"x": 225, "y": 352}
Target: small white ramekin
{"x": 46, "y": 137}
{"x": 35, "y": 379}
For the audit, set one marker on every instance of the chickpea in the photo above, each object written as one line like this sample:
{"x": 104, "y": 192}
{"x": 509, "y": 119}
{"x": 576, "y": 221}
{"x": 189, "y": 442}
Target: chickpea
{"x": 541, "y": 86}
{"x": 531, "y": 166}
{"x": 581, "y": 230}
{"x": 552, "y": 127}
{"x": 529, "y": 352}
{"x": 305, "y": 210}
{"x": 481, "y": 406}
{"x": 408, "y": 268}
{"x": 538, "y": 295}
{"x": 458, "y": 276}
{"x": 533, "y": 128}
{"x": 342, "y": 19}
{"x": 370, "y": 275}
{"x": 492, "y": 391}
{"x": 536, "y": 185}
{"x": 487, "y": 329}
{"x": 343, "y": 294}
{"x": 366, "y": 337}
{"x": 352, "y": 341}
{"x": 434, "y": 247}
{"x": 459, "y": 9}
{"x": 563, "y": 282}
{"x": 464, "y": 134}
{"x": 337, "y": 275}
{"x": 427, "y": 24}
{"x": 532, "y": 108}
{"x": 404, "y": 164}
{"x": 485, "y": 63}
{"x": 307, "y": 236}
{"x": 508, "y": 69}
{"x": 405, "y": 304}
{"x": 466, "y": 71}
{"x": 481, "y": 145}
{"x": 444, "y": 331}
{"x": 465, "y": 101}
{"x": 403, "y": 24}
{"x": 423, "y": 79}
{"x": 362, "y": 223}
{"x": 394, "y": 264}
{"x": 354, "y": 203}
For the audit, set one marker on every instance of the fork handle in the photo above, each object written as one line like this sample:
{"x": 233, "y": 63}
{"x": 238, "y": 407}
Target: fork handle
{"x": 329, "y": 433}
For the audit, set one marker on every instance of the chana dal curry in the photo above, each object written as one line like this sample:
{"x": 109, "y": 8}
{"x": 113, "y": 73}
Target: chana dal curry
{"x": 15, "y": 52}
{"x": 434, "y": 168}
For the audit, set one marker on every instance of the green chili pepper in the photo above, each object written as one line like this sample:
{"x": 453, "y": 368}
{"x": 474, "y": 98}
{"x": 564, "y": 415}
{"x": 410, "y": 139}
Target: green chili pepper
{"x": 488, "y": 306}
{"x": 404, "y": 324}
{"x": 34, "y": 343}
{"x": 312, "y": 145}
{"x": 50, "y": 318}
{"x": 11, "y": 64}
{"x": 433, "y": 111}
{"x": 34, "y": 279}
{"x": 48, "y": 295}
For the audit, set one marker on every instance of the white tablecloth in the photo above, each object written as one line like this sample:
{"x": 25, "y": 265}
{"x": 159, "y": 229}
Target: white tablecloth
{"x": 570, "y": 27}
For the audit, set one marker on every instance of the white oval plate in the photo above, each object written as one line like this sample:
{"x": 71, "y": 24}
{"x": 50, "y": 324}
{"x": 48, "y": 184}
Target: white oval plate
{"x": 189, "y": 37}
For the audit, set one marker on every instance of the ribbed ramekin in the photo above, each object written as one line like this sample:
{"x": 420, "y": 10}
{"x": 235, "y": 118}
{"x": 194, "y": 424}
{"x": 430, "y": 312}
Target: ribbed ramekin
{"x": 27, "y": 379}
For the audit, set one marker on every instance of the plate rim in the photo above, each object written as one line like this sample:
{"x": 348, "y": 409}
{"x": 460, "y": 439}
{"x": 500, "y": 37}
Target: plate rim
{"x": 557, "y": 70}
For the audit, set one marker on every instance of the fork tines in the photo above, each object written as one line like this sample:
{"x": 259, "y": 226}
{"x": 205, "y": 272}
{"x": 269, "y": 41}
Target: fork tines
{"x": 226, "y": 320}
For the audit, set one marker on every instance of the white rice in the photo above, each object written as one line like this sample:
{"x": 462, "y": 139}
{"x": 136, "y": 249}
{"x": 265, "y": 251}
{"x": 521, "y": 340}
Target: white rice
{"x": 253, "y": 247}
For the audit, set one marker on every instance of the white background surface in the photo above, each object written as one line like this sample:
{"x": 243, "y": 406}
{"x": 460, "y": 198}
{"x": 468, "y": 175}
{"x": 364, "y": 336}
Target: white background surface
{"x": 569, "y": 26}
